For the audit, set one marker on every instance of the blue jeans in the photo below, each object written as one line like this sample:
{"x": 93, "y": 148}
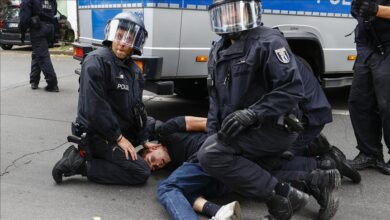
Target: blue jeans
{"x": 179, "y": 191}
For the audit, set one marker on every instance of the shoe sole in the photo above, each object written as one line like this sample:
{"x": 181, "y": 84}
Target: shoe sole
{"x": 333, "y": 200}
{"x": 345, "y": 169}
{"x": 233, "y": 212}
{"x": 383, "y": 170}
{"x": 56, "y": 172}
{"x": 237, "y": 211}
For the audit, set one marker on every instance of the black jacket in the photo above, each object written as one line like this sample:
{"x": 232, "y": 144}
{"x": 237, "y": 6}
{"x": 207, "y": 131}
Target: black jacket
{"x": 258, "y": 72}
{"x": 44, "y": 9}
{"x": 314, "y": 105}
{"x": 110, "y": 90}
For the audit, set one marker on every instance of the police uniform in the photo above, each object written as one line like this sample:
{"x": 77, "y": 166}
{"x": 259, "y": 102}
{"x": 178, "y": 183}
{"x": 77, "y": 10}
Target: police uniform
{"x": 38, "y": 16}
{"x": 369, "y": 99}
{"x": 109, "y": 101}
{"x": 257, "y": 72}
{"x": 315, "y": 108}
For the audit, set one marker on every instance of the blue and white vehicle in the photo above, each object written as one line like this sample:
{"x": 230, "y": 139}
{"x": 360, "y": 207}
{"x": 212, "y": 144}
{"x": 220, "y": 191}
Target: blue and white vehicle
{"x": 180, "y": 37}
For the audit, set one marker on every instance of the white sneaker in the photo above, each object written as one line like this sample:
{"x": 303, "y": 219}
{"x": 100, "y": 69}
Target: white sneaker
{"x": 231, "y": 211}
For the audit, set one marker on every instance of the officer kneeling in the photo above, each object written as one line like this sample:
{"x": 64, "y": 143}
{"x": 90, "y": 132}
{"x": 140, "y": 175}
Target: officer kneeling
{"x": 110, "y": 109}
{"x": 253, "y": 82}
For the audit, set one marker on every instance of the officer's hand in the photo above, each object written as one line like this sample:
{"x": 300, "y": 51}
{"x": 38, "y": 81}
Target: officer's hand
{"x": 151, "y": 145}
{"x": 22, "y": 37}
{"x": 127, "y": 148}
{"x": 236, "y": 122}
{"x": 368, "y": 8}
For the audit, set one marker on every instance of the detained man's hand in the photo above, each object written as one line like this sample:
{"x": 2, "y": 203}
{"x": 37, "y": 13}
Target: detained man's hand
{"x": 127, "y": 148}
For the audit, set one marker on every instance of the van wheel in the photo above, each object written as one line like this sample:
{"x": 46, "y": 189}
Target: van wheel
{"x": 69, "y": 36}
{"x": 6, "y": 46}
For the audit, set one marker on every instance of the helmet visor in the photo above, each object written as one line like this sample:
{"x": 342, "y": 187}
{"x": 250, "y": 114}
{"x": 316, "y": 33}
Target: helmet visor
{"x": 235, "y": 16}
{"x": 126, "y": 32}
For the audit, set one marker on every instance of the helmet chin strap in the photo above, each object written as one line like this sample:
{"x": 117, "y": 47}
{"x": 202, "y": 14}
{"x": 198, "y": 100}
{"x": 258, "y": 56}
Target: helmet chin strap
{"x": 231, "y": 36}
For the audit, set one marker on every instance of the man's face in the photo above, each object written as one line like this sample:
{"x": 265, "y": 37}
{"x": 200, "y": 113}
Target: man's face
{"x": 157, "y": 158}
{"x": 121, "y": 48}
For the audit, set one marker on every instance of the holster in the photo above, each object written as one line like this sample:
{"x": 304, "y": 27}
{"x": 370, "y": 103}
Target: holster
{"x": 80, "y": 137}
{"x": 290, "y": 122}
{"x": 140, "y": 115}
{"x": 36, "y": 22}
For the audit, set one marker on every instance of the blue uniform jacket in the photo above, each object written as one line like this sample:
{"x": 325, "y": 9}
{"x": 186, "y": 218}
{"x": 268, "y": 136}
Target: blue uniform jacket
{"x": 314, "y": 106}
{"x": 45, "y": 9}
{"x": 110, "y": 89}
{"x": 258, "y": 72}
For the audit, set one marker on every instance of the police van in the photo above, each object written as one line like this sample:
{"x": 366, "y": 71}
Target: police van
{"x": 176, "y": 51}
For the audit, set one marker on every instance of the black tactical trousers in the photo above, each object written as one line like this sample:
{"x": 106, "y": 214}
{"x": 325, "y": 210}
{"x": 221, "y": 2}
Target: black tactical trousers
{"x": 369, "y": 101}
{"x": 234, "y": 164}
{"x": 109, "y": 165}
{"x": 40, "y": 55}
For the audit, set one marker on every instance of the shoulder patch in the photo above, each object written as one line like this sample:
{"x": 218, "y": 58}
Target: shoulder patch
{"x": 282, "y": 55}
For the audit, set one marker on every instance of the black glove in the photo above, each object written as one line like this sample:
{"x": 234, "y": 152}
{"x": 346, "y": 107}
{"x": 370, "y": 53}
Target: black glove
{"x": 236, "y": 122}
{"x": 368, "y": 9}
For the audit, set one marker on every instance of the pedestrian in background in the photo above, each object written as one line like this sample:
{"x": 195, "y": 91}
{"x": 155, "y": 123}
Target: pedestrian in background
{"x": 37, "y": 16}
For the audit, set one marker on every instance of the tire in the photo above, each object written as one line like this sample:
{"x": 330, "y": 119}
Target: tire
{"x": 69, "y": 36}
{"x": 6, "y": 46}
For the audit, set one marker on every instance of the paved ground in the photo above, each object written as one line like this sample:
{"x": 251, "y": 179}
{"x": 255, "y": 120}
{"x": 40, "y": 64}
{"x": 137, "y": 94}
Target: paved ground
{"x": 34, "y": 126}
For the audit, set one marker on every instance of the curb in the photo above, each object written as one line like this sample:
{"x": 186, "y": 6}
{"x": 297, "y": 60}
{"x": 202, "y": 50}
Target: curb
{"x": 56, "y": 52}
{"x": 62, "y": 49}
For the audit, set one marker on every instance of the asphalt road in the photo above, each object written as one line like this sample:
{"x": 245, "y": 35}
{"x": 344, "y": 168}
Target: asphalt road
{"x": 34, "y": 126}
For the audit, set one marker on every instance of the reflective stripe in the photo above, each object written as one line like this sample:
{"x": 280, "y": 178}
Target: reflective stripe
{"x": 288, "y": 7}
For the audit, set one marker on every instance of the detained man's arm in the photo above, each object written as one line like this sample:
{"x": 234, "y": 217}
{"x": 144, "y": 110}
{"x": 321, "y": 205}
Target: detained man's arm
{"x": 195, "y": 124}
{"x": 383, "y": 12}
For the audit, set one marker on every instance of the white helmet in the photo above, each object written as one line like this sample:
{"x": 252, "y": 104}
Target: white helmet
{"x": 233, "y": 16}
{"x": 126, "y": 28}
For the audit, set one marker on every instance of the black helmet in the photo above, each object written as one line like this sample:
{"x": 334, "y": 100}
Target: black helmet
{"x": 233, "y": 16}
{"x": 127, "y": 28}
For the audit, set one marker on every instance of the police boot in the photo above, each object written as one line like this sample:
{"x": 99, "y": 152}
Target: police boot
{"x": 322, "y": 185}
{"x": 363, "y": 161}
{"x": 70, "y": 164}
{"x": 284, "y": 200}
{"x": 382, "y": 166}
{"x": 51, "y": 88}
{"x": 342, "y": 165}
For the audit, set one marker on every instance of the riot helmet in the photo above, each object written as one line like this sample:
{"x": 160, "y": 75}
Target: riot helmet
{"x": 128, "y": 29}
{"x": 231, "y": 17}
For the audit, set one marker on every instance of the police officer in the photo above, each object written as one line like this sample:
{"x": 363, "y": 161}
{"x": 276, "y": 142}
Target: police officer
{"x": 38, "y": 16}
{"x": 110, "y": 109}
{"x": 254, "y": 82}
{"x": 369, "y": 98}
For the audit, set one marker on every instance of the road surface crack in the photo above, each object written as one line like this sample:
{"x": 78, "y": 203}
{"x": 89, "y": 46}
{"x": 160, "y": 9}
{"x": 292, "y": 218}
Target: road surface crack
{"x": 13, "y": 164}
